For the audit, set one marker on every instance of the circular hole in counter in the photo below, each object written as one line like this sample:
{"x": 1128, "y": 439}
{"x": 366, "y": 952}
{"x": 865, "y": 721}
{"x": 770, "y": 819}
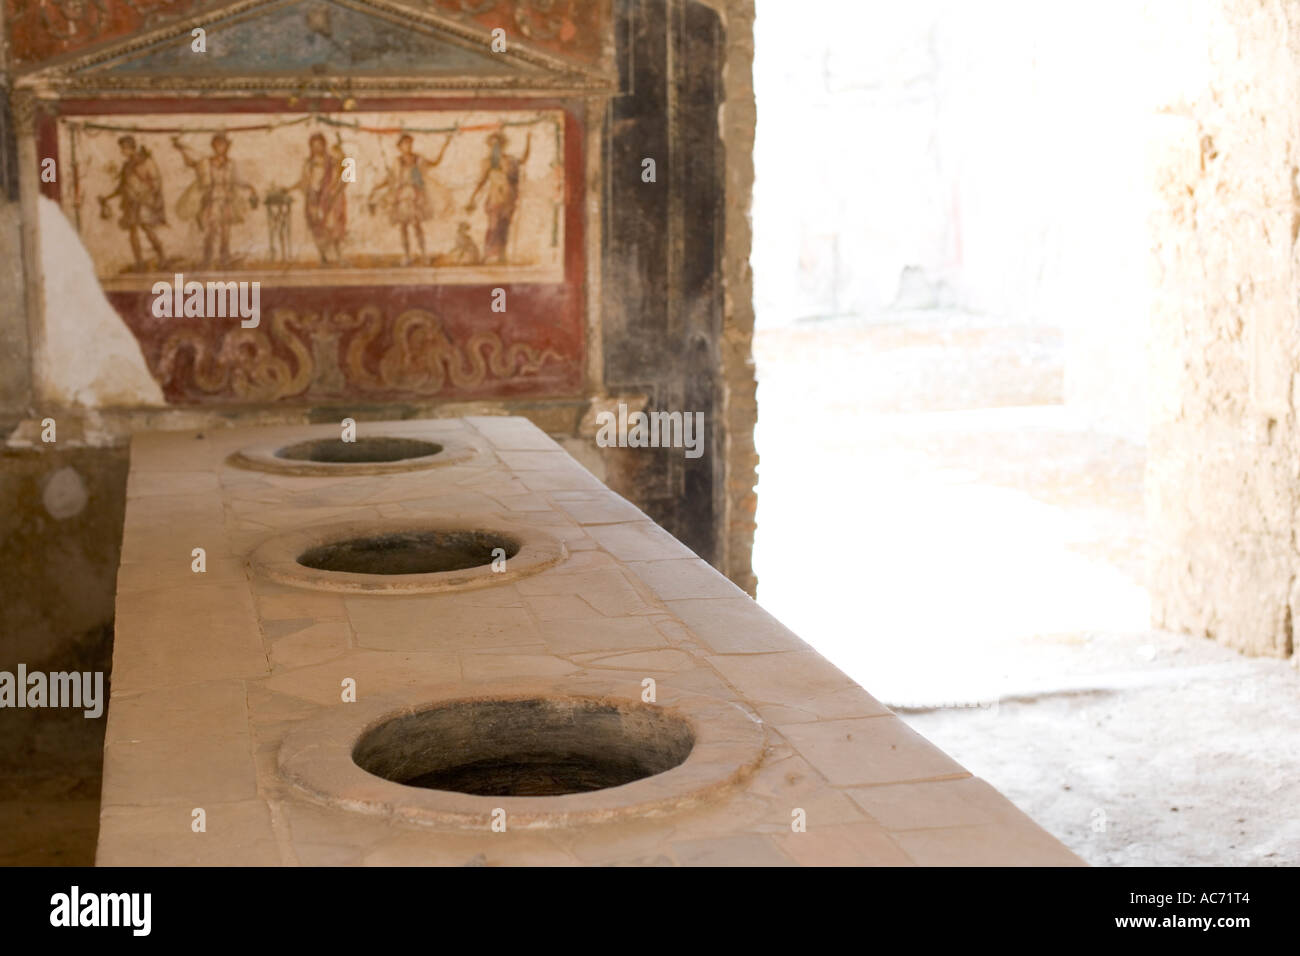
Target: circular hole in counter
{"x": 329, "y": 456}
{"x": 538, "y": 747}
{"x": 407, "y": 555}
{"x": 538, "y": 753}
{"x": 411, "y": 552}
{"x": 382, "y": 448}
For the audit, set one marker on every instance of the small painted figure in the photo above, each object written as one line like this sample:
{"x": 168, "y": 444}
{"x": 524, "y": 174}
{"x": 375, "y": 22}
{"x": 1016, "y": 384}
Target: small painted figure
{"x": 501, "y": 174}
{"x": 405, "y": 196}
{"x": 217, "y": 199}
{"x": 139, "y": 194}
{"x": 465, "y": 252}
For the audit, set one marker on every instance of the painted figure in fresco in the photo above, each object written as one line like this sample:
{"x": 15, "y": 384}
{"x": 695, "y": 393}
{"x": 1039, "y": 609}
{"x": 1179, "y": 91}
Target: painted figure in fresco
{"x": 501, "y": 173}
{"x": 139, "y": 193}
{"x": 405, "y": 195}
{"x": 217, "y": 199}
{"x": 324, "y": 195}
{"x": 465, "y": 252}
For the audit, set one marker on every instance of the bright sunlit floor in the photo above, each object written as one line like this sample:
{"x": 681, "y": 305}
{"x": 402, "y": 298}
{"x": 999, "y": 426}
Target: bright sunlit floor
{"x": 935, "y": 521}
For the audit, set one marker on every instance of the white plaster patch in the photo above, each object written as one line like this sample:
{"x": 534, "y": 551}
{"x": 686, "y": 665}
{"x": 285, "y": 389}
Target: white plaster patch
{"x": 89, "y": 357}
{"x": 65, "y": 494}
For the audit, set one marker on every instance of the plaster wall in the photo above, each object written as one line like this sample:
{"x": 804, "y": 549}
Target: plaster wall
{"x": 1224, "y": 452}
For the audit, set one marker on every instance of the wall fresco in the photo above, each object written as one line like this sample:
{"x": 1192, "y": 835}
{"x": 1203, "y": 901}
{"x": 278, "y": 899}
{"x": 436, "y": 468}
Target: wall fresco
{"x": 41, "y": 29}
{"x": 382, "y": 286}
{"x": 575, "y": 28}
{"x": 334, "y": 353}
{"x": 416, "y": 198}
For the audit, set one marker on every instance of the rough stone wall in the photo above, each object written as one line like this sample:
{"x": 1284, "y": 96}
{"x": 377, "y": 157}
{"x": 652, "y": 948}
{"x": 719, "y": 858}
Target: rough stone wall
{"x": 1224, "y": 452}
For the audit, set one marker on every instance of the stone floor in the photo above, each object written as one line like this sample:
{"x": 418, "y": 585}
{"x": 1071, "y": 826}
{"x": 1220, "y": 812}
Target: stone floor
{"x": 987, "y": 583}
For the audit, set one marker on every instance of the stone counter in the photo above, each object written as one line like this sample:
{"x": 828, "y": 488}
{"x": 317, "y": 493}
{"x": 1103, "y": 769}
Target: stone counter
{"x": 268, "y": 713}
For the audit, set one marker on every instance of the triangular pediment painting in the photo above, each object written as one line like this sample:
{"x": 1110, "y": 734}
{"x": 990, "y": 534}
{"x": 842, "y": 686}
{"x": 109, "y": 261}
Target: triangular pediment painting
{"x": 282, "y": 39}
{"x": 313, "y": 36}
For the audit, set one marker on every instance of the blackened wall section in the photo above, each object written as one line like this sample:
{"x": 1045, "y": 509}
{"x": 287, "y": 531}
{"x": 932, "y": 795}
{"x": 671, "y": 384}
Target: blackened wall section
{"x": 662, "y": 296}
